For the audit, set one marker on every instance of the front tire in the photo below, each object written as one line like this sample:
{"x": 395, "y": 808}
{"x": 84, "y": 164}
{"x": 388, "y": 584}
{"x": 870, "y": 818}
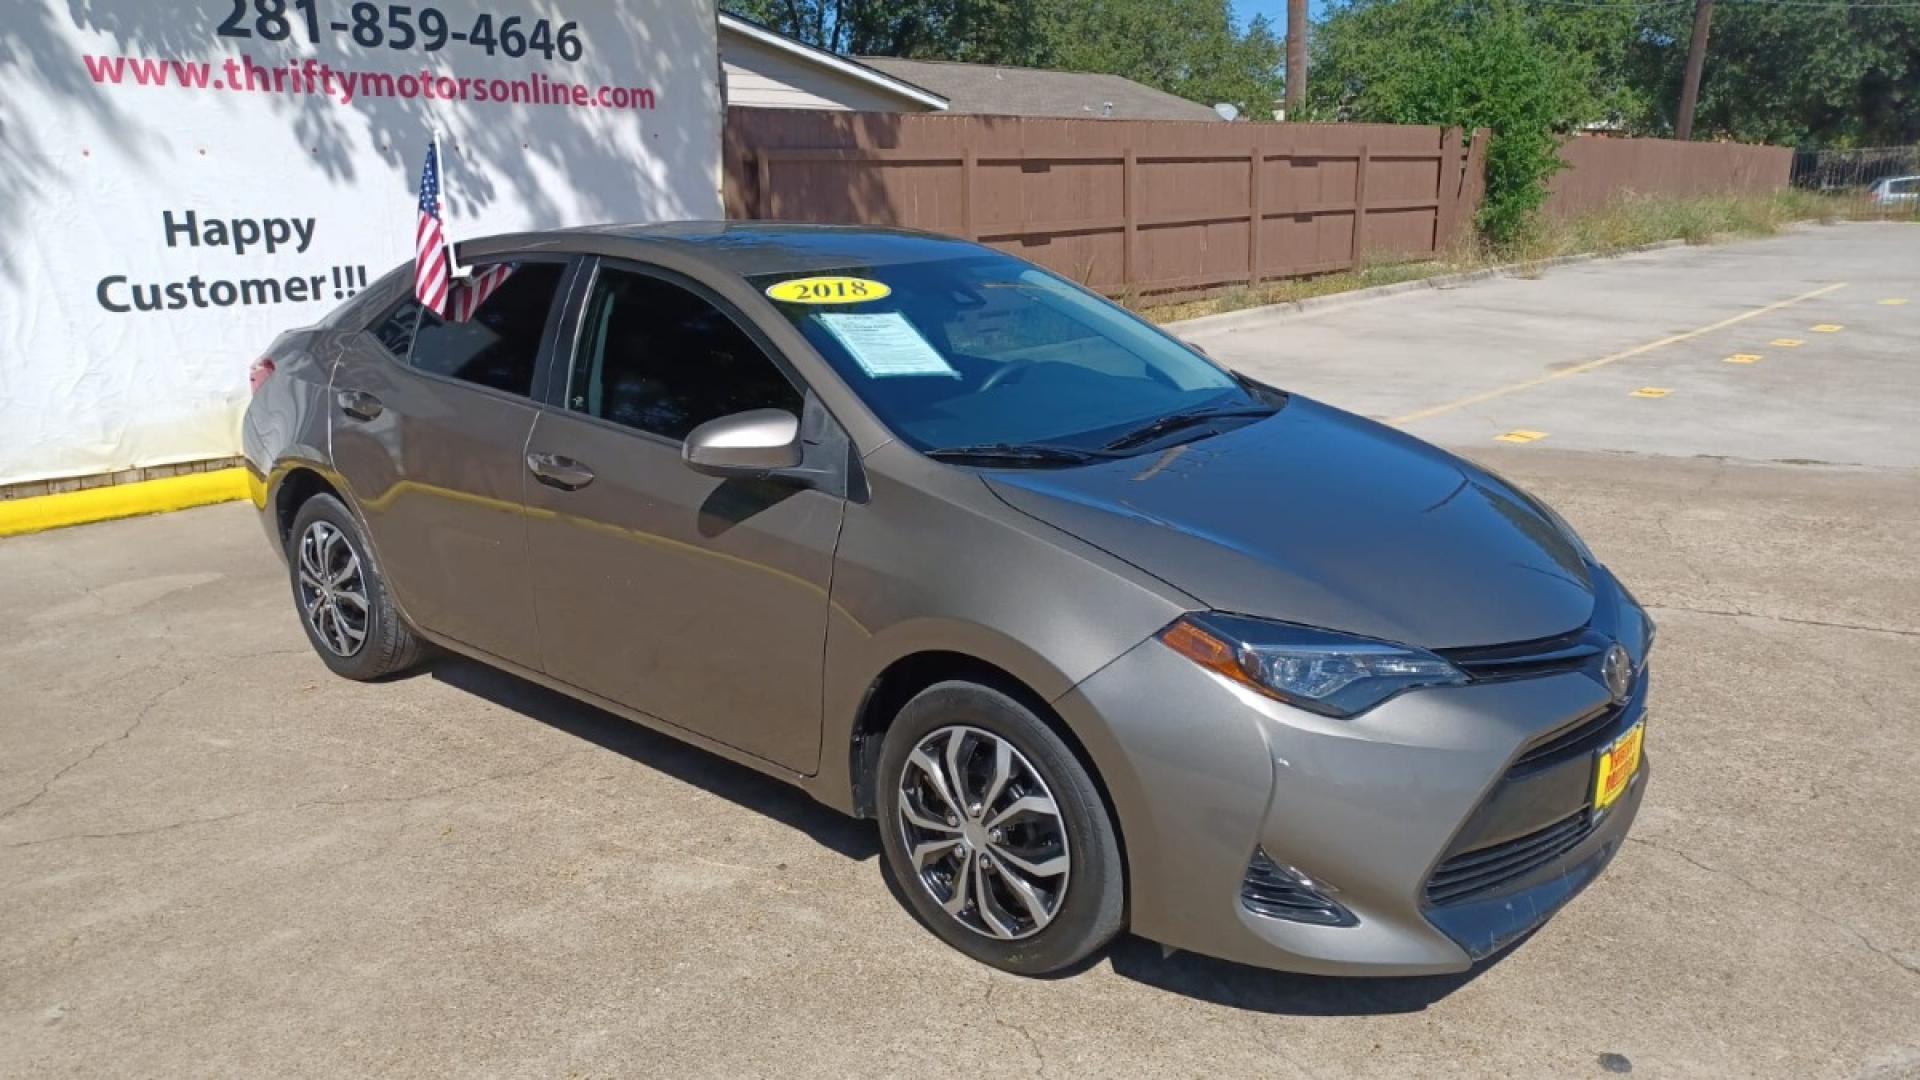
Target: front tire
{"x": 342, "y": 600}
{"x": 996, "y": 833}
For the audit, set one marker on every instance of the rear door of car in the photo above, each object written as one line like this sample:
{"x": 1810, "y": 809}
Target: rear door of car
{"x": 429, "y": 433}
{"x": 698, "y": 600}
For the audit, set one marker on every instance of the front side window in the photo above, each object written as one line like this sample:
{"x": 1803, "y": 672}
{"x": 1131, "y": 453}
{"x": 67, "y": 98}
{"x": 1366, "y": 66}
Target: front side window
{"x": 989, "y": 350}
{"x": 659, "y": 358}
{"x": 497, "y": 347}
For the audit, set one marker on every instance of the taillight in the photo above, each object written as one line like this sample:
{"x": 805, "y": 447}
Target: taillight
{"x": 258, "y": 373}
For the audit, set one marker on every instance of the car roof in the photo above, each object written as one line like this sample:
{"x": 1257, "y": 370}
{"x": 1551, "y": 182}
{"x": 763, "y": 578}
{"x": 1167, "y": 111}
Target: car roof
{"x": 745, "y": 248}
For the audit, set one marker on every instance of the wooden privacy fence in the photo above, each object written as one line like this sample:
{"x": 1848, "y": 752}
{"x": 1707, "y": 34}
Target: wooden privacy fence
{"x": 1122, "y": 206}
{"x": 1600, "y": 170}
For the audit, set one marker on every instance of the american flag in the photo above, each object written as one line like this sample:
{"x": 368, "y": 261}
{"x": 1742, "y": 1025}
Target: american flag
{"x": 469, "y": 295}
{"x": 430, "y": 282}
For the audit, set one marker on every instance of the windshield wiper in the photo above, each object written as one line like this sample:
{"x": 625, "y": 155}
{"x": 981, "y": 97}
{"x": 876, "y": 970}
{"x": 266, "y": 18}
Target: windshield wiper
{"x": 1175, "y": 421}
{"x": 1019, "y": 453}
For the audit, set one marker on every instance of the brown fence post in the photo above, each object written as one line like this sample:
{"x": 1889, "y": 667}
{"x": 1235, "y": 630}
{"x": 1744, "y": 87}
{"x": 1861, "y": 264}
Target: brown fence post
{"x": 1255, "y": 216}
{"x": 1451, "y": 170}
{"x": 1473, "y": 178}
{"x": 1130, "y": 214}
{"x": 1360, "y": 207}
{"x": 763, "y": 199}
{"x": 969, "y": 229}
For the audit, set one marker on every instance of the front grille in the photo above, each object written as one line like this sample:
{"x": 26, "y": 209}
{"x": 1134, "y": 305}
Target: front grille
{"x": 1583, "y": 736}
{"x": 1281, "y": 892}
{"x": 1483, "y": 870}
{"x": 1571, "y": 651}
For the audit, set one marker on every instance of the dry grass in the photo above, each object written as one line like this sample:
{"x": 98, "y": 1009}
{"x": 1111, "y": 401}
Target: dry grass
{"x": 1631, "y": 222}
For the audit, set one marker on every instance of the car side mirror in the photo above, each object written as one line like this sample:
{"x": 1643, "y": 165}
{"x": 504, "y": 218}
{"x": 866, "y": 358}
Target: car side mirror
{"x": 749, "y": 443}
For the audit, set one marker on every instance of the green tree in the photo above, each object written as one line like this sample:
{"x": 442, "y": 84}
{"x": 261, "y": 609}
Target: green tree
{"x": 1192, "y": 48}
{"x": 977, "y": 31}
{"x": 1790, "y": 74}
{"x": 1483, "y": 63}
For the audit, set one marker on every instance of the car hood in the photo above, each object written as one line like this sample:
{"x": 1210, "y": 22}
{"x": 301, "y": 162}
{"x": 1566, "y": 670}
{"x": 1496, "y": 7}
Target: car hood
{"x": 1319, "y": 517}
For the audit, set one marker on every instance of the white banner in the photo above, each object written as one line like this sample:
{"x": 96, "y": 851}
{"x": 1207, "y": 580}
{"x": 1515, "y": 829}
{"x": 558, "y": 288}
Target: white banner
{"x": 181, "y": 180}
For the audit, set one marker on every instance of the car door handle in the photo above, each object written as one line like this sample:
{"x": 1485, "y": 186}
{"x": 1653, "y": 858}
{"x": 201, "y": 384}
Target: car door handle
{"x": 359, "y": 404}
{"x": 557, "y": 471}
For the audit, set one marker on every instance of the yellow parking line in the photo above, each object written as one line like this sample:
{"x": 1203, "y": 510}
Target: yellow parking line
{"x": 1893, "y": 301}
{"x": 1787, "y": 342}
{"x": 1521, "y": 436}
{"x": 1744, "y": 358}
{"x": 1827, "y": 328}
{"x": 1671, "y": 339}
{"x": 1652, "y": 391}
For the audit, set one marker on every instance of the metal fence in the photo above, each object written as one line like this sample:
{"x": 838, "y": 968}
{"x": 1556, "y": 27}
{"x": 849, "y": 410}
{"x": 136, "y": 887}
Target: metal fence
{"x": 1856, "y": 178}
{"x": 1122, "y": 206}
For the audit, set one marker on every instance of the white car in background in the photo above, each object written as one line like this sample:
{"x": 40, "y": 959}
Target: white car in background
{"x": 1896, "y": 191}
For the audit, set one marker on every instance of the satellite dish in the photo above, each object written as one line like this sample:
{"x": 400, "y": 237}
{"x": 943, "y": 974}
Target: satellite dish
{"x": 1228, "y": 111}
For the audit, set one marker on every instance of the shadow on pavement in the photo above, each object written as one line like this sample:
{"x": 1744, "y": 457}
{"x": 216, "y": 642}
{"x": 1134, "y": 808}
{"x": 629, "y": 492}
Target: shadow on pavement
{"x": 736, "y": 783}
{"x": 1281, "y": 993}
{"x": 1220, "y": 982}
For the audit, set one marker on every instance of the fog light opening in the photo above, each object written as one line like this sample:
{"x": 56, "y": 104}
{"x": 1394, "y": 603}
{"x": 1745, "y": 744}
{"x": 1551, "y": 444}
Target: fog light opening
{"x": 1281, "y": 892}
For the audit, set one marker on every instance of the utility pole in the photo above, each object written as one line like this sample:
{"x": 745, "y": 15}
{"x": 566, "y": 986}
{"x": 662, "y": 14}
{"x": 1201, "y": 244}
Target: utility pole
{"x": 1296, "y": 58}
{"x": 1696, "y": 59}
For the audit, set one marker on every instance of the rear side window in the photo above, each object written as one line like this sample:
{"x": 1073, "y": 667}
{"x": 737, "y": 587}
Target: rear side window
{"x": 395, "y": 328}
{"x": 1903, "y": 187}
{"x": 659, "y": 358}
{"x": 497, "y": 348}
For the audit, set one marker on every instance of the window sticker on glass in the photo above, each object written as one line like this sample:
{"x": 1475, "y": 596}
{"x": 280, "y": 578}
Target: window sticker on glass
{"x": 828, "y": 290}
{"x": 885, "y": 344}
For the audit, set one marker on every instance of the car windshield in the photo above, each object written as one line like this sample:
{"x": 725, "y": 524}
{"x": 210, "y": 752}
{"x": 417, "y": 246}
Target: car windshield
{"x": 989, "y": 353}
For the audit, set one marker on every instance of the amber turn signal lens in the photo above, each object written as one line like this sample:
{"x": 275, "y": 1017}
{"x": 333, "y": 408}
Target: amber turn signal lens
{"x": 1206, "y": 650}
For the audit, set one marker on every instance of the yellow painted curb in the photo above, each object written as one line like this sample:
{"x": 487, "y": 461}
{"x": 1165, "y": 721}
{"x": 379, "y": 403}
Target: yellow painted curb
{"x": 39, "y": 513}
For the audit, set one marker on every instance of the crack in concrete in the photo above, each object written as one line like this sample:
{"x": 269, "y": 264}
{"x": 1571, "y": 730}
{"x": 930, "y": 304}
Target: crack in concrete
{"x": 138, "y": 719}
{"x": 1910, "y": 967}
{"x": 516, "y": 774}
{"x": 1738, "y": 613}
{"x": 1033, "y": 1044}
{"x": 1673, "y": 545}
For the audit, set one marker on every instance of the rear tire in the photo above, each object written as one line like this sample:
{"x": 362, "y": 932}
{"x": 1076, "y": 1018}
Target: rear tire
{"x": 1019, "y": 866}
{"x": 341, "y": 598}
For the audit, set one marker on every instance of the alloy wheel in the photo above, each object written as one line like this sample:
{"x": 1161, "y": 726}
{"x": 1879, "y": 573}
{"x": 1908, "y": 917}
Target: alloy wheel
{"x": 333, "y": 591}
{"x": 983, "y": 833}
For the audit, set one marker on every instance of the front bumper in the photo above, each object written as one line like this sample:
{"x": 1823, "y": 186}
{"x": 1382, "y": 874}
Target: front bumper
{"x": 1203, "y": 772}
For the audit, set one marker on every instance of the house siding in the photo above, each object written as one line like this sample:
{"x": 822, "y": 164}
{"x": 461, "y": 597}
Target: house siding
{"x": 760, "y": 77}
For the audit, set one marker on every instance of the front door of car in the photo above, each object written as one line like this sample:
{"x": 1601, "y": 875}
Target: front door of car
{"x": 429, "y": 430}
{"x": 698, "y": 600}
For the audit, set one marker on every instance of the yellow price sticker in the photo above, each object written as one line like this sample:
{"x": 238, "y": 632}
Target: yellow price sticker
{"x": 828, "y": 290}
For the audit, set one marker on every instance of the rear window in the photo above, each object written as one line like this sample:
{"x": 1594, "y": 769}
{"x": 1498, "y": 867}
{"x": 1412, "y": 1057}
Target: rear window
{"x": 497, "y": 348}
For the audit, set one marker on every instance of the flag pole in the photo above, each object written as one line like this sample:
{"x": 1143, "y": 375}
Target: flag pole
{"x": 453, "y": 263}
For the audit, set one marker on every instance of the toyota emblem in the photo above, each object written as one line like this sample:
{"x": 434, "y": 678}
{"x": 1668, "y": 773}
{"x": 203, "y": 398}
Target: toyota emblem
{"x": 1617, "y": 672}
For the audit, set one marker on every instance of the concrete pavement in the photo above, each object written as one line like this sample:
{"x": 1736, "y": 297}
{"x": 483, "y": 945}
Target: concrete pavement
{"x": 217, "y": 859}
{"x": 1562, "y": 353}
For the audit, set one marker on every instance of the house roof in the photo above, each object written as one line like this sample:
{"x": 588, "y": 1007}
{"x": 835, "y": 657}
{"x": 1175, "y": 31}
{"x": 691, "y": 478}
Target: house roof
{"x": 1015, "y": 91}
{"x": 853, "y": 69}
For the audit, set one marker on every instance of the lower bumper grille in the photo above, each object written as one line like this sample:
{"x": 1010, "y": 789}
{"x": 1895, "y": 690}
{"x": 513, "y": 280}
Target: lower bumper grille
{"x": 1483, "y": 870}
{"x": 1281, "y": 892}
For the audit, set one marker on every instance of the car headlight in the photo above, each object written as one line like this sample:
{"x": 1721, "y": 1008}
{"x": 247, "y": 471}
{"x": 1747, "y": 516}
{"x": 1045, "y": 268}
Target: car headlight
{"x": 1328, "y": 673}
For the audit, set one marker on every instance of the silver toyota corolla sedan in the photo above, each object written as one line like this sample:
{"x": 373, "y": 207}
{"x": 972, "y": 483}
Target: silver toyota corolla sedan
{"x": 1104, "y": 636}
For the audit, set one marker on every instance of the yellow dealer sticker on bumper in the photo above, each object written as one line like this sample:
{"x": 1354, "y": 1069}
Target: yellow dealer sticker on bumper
{"x": 1617, "y": 765}
{"x": 828, "y": 290}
